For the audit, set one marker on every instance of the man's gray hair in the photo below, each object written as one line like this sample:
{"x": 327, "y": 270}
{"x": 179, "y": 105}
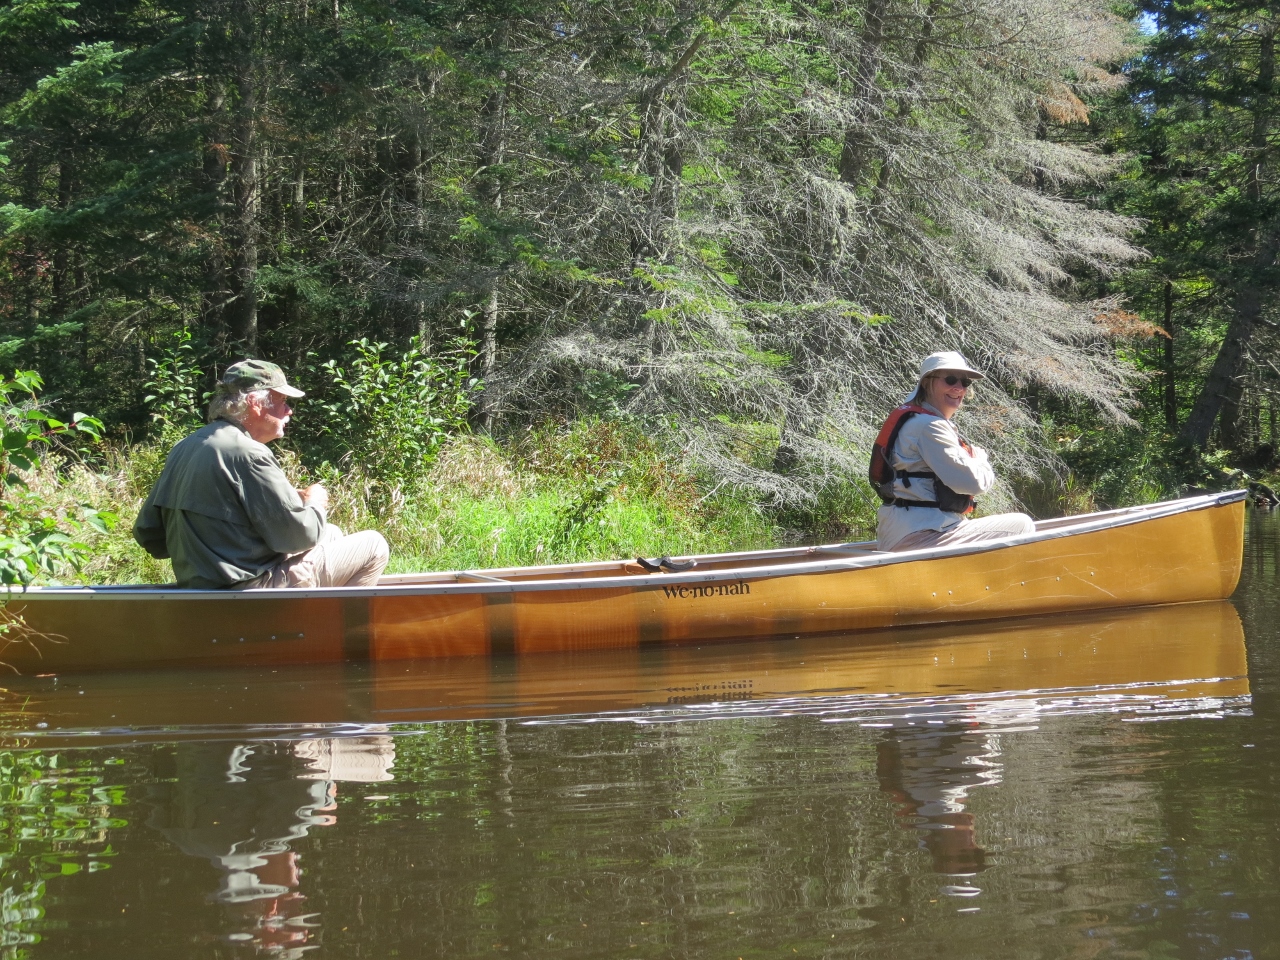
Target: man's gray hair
{"x": 232, "y": 404}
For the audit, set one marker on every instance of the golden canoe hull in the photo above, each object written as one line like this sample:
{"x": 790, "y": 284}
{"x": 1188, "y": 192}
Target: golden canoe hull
{"x": 1182, "y": 551}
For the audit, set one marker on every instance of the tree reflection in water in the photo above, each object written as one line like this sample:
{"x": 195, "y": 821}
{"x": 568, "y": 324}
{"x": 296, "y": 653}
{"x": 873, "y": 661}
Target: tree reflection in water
{"x": 929, "y": 766}
{"x": 241, "y": 805}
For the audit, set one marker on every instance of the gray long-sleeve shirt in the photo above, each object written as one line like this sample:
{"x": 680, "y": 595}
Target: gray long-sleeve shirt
{"x": 930, "y": 443}
{"x": 223, "y": 511}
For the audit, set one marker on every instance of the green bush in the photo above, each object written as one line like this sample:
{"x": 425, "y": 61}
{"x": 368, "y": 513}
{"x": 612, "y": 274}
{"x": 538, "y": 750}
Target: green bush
{"x": 842, "y": 510}
{"x": 38, "y": 537}
{"x": 1118, "y": 467}
{"x": 385, "y": 417}
{"x": 174, "y": 398}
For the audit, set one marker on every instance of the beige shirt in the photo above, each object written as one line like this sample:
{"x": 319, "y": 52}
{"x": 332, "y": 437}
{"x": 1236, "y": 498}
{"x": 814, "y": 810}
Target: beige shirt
{"x": 930, "y": 443}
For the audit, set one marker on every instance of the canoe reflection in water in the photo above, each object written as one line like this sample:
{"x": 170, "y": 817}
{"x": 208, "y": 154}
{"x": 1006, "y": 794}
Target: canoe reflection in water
{"x": 1145, "y": 658}
{"x": 240, "y": 806}
{"x": 929, "y": 771}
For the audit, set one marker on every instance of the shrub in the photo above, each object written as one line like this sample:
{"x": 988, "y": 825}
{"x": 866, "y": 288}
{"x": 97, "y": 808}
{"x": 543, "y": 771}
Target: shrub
{"x": 37, "y": 537}
{"x": 174, "y": 396}
{"x": 842, "y": 509}
{"x": 385, "y": 417}
{"x": 1118, "y": 467}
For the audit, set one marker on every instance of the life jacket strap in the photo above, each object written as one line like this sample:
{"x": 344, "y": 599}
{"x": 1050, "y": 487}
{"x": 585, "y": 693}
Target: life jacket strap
{"x": 906, "y": 475}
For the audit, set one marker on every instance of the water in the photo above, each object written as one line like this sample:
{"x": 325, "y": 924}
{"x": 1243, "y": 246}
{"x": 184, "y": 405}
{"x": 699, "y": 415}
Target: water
{"x": 1074, "y": 787}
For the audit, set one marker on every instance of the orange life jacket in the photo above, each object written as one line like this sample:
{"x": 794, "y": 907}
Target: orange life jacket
{"x": 881, "y": 474}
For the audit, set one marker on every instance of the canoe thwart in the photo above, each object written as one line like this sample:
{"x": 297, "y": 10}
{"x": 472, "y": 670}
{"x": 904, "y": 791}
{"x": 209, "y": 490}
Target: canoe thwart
{"x": 665, "y": 565}
{"x": 478, "y": 577}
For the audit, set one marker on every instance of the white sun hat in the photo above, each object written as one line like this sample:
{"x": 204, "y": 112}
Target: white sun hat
{"x": 951, "y": 361}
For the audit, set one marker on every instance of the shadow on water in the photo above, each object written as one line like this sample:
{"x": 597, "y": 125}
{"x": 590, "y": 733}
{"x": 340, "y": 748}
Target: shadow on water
{"x": 1006, "y": 789}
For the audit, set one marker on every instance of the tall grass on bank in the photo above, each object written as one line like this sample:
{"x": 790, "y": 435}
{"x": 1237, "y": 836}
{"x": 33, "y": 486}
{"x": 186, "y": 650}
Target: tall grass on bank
{"x": 592, "y": 491}
{"x": 589, "y": 491}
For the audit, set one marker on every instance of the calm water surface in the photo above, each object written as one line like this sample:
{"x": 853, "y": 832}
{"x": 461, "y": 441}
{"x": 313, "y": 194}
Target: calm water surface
{"x": 1073, "y": 787}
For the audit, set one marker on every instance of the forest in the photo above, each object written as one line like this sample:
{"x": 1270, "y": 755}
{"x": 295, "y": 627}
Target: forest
{"x": 571, "y": 278}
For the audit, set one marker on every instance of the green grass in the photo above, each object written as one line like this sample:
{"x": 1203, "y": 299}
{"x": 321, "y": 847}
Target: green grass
{"x": 545, "y": 525}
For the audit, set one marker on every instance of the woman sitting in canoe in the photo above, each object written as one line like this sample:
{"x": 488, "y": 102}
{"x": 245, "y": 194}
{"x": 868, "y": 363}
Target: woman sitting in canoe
{"x": 926, "y": 475}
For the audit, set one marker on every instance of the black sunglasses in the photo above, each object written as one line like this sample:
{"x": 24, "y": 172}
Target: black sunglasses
{"x": 951, "y": 380}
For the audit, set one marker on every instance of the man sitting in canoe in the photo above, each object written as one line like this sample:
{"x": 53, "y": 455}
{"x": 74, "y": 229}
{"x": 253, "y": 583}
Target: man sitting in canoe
{"x": 926, "y": 475}
{"x": 226, "y": 515}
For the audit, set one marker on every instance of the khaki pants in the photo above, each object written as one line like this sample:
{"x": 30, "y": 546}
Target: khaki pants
{"x": 356, "y": 560}
{"x": 969, "y": 531}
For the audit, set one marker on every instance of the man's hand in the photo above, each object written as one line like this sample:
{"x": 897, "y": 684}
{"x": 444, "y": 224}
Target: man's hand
{"x": 316, "y": 496}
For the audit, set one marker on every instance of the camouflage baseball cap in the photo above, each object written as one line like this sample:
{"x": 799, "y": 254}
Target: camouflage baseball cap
{"x": 258, "y": 375}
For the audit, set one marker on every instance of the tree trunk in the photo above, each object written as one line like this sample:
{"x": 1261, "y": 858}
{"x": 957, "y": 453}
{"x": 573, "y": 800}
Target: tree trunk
{"x": 796, "y": 426}
{"x": 663, "y": 160}
{"x": 214, "y": 292}
{"x": 62, "y": 283}
{"x": 30, "y": 256}
{"x": 414, "y": 185}
{"x": 1256, "y": 285}
{"x": 905, "y": 99}
{"x": 415, "y": 194}
{"x": 855, "y": 152}
{"x": 298, "y": 205}
{"x": 1232, "y": 430}
{"x": 1226, "y": 366}
{"x": 489, "y": 350}
{"x": 857, "y": 156}
{"x": 1255, "y": 418}
{"x": 243, "y": 309}
{"x": 1170, "y": 371}
{"x": 661, "y": 156}
{"x": 493, "y": 148}
{"x": 493, "y": 144}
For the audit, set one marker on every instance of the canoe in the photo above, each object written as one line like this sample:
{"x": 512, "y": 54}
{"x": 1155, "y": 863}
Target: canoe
{"x": 1140, "y": 661}
{"x": 1173, "y": 552}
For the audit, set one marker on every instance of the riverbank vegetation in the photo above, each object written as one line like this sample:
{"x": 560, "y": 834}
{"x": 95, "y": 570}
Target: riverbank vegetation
{"x": 575, "y": 492}
{"x": 594, "y": 279}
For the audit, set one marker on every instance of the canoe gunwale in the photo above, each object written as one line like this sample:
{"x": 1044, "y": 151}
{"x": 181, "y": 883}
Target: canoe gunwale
{"x": 1058, "y": 528}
